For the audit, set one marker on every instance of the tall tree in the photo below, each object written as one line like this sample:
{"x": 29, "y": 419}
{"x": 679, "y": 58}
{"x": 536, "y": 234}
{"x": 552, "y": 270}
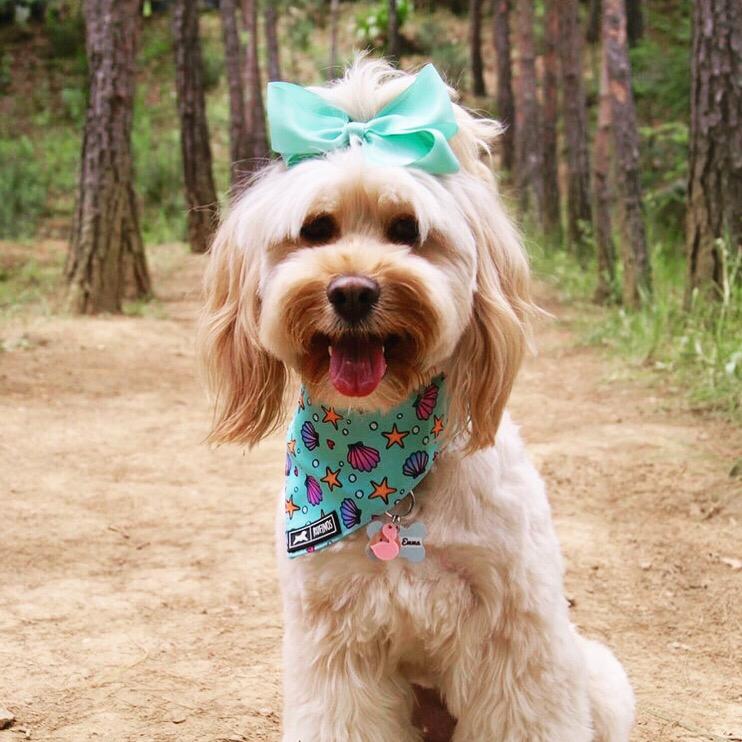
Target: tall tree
{"x": 475, "y": 48}
{"x": 106, "y": 256}
{"x": 715, "y": 177}
{"x": 634, "y": 253}
{"x": 592, "y": 33}
{"x": 504, "y": 94}
{"x": 392, "y": 35}
{"x": 271, "y": 37}
{"x": 194, "y": 129}
{"x": 254, "y": 111}
{"x": 529, "y": 143}
{"x": 334, "y": 17}
{"x": 604, "y": 247}
{"x": 574, "y": 111}
{"x": 550, "y": 86}
{"x": 239, "y": 146}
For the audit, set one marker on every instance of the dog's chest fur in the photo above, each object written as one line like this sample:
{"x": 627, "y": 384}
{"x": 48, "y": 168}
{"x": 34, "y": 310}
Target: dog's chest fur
{"x": 477, "y": 510}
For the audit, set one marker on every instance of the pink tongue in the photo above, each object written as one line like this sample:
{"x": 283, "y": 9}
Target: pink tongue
{"x": 357, "y": 366}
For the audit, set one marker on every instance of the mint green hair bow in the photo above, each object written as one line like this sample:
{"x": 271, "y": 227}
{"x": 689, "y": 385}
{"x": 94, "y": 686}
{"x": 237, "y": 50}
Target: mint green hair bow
{"x": 411, "y": 131}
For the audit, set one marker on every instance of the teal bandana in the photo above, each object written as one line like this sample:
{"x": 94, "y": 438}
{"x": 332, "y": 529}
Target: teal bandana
{"x": 411, "y": 131}
{"x": 345, "y": 467}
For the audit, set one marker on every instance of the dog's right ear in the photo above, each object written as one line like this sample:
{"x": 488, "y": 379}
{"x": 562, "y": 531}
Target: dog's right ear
{"x": 246, "y": 382}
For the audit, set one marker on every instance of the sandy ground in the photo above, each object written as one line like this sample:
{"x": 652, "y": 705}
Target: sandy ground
{"x": 137, "y": 588}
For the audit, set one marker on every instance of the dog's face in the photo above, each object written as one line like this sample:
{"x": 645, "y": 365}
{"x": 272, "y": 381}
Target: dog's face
{"x": 369, "y": 297}
{"x": 366, "y": 281}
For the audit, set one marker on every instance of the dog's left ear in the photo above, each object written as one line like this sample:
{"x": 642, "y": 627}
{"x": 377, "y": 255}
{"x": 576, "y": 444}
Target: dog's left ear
{"x": 247, "y": 383}
{"x": 491, "y": 349}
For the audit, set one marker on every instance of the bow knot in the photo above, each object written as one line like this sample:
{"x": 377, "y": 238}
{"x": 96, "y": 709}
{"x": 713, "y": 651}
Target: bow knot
{"x": 355, "y": 130}
{"x": 411, "y": 131}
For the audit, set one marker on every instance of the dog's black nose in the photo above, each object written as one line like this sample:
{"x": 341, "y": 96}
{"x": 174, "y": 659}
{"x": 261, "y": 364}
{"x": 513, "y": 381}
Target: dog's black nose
{"x": 353, "y": 297}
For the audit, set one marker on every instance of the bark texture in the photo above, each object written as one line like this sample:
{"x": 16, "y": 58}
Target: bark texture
{"x": 106, "y": 257}
{"x": 504, "y": 94}
{"x": 592, "y": 32}
{"x": 574, "y": 112}
{"x": 254, "y": 111}
{"x": 475, "y": 48}
{"x": 392, "y": 36}
{"x": 550, "y": 87}
{"x": 602, "y": 227}
{"x": 195, "y": 149}
{"x": 634, "y": 253}
{"x": 715, "y": 177}
{"x": 529, "y": 143}
{"x": 271, "y": 38}
{"x": 239, "y": 146}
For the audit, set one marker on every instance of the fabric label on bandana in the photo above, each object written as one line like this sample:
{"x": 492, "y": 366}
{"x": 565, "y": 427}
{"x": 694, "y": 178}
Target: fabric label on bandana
{"x": 343, "y": 467}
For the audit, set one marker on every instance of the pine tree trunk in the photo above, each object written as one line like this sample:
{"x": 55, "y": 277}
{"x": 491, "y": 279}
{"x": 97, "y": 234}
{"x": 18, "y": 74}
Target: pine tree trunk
{"x": 239, "y": 147}
{"x": 392, "y": 41}
{"x": 254, "y": 111}
{"x": 551, "y": 113}
{"x": 475, "y": 48}
{"x": 634, "y": 253}
{"x": 574, "y": 111}
{"x": 334, "y": 15}
{"x": 194, "y": 129}
{"x": 271, "y": 37}
{"x": 504, "y": 95}
{"x": 605, "y": 249}
{"x": 715, "y": 177}
{"x": 106, "y": 260}
{"x": 529, "y": 143}
{"x": 634, "y": 21}
{"x": 592, "y": 34}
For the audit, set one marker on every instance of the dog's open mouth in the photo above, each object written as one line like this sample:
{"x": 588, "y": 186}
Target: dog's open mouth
{"x": 355, "y": 363}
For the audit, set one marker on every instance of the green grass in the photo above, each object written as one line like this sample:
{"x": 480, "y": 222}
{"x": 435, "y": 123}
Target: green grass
{"x": 697, "y": 350}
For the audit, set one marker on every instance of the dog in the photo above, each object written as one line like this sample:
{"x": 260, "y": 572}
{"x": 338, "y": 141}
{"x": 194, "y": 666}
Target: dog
{"x": 433, "y": 283}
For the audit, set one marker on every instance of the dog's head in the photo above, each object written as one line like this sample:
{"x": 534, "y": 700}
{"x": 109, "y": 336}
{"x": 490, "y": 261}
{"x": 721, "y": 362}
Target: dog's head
{"x": 367, "y": 281}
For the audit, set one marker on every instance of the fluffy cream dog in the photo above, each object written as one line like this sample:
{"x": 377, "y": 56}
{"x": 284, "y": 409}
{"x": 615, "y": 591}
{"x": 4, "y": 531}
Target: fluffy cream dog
{"x": 483, "y": 619}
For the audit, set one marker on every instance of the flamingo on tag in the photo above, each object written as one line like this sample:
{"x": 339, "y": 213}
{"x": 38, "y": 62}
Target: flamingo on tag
{"x": 385, "y": 544}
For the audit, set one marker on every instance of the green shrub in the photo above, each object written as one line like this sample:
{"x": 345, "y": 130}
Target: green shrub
{"x": 23, "y": 188}
{"x": 698, "y": 349}
{"x": 449, "y": 56}
{"x": 372, "y": 23}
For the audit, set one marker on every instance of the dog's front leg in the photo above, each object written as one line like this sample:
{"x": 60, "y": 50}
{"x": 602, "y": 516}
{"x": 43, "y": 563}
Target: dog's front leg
{"x": 512, "y": 691}
{"x": 336, "y": 689}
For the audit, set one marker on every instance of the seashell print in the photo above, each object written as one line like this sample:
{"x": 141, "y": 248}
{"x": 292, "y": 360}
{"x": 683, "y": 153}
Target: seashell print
{"x": 288, "y": 465}
{"x": 310, "y": 436}
{"x": 314, "y": 490}
{"x": 350, "y": 513}
{"x": 362, "y": 457}
{"x": 415, "y": 464}
{"x": 426, "y": 401}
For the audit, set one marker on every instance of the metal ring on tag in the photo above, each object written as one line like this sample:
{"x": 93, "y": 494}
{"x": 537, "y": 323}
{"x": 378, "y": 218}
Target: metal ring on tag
{"x": 396, "y": 517}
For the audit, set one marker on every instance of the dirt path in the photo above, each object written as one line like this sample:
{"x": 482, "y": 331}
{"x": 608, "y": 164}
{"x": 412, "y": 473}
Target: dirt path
{"x": 137, "y": 587}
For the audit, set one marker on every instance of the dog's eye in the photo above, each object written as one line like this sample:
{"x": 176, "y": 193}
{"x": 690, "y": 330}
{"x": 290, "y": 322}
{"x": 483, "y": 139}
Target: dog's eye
{"x": 319, "y": 229}
{"x": 404, "y": 230}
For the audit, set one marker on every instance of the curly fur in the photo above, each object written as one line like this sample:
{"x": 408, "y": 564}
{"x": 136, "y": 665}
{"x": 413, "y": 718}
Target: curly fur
{"x": 483, "y": 619}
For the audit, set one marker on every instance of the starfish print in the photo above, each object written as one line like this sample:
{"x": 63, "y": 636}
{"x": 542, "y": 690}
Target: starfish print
{"x": 395, "y": 437}
{"x": 331, "y": 416}
{"x": 382, "y": 490}
{"x": 331, "y": 478}
{"x": 291, "y": 445}
{"x": 291, "y": 507}
{"x": 437, "y": 426}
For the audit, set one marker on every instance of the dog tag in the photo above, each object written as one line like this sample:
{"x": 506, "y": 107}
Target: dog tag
{"x": 409, "y": 540}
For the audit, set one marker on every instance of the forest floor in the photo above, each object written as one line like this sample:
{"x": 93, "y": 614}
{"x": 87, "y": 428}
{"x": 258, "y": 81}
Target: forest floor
{"x": 138, "y": 596}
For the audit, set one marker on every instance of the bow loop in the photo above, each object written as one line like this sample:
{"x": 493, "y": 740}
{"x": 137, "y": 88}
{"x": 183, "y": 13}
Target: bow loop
{"x": 411, "y": 131}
